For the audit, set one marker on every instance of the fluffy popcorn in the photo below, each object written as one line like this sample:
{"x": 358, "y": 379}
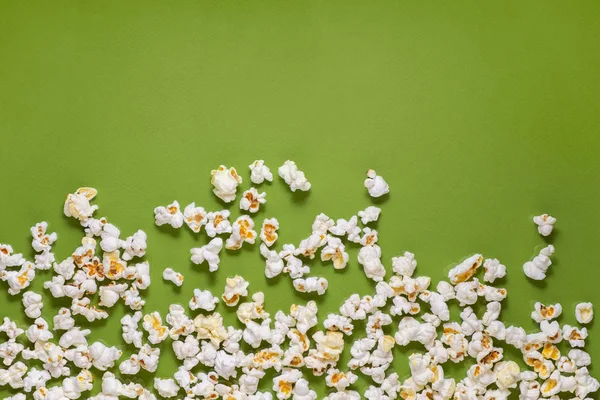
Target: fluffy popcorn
{"x": 493, "y": 270}
{"x": 255, "y": 333}
{"x": 110, "y": 294}
{"x": 129, "y": 326}
{"x": 180, "y": 323}
{"x": 293, "y": 177}
{"x": 132, "y": 298}
{"x": 74, "y": 386}
{"x": 195, "y": 217}
{"x": 91, "y": 313}
{"x": 235, "y": 288}
{"x": 251, "y": 200}
{"x": 104, "y": 357}
{"x": 13, "y": 376}
{"x": 259, "y": 172}
{"x": 42, "y": 242}
{"x": 225, "y": 365}
{"x": 39, "y": 331}
{"x": 310, "y": 285}
{"x": 580, "y": 357}
{"x": 542, "y": 312}
{"x": 465, "y": 270}
{"x": 135, "y": 245}
{"x": 545, "y": 224}
{"x": 268, "y": 232}
{"x": 208, "y": 253}
{"x": 584, "y": 312}
{"x": 203, "y": 299}
{"x": 370, "y": 237}
{"x": 466, "y": 292}
{"x": 243, "y": 231}
{"x": 8, "y": 259}
{"x": 283, "y": 383}
{"x": 586, "y": 384}
{"x": 536, "y": 268}
{"x": 575, "y": 336}
{"x": 77, "y": 205}
{"x": 347, "y": 228}
{"x": 210, "y": 327}
{"x": 170, "y": 215}
{"x": 252, "y": 310}
{"x": 302, "y": 391}
{"x": 35, "y": 379}
{"x": 156, "y": 330}
{"x": 225, "y": 181}
{"x": 11, "y": 329}
{"x": 110, "y": 238}
{"x": 335, "y": 251}
{"x": 340, "y": 380}
{"x": 63, "y": 320}
{"x": 74, "y": 337}
{"x": 375, "y": 184}
{"x": 404, "y": 265}
{"x": 370, "y": 258}
{"x": 175, "y": 277}
{"x": 305, "y": 316}
{"x": 9, "y": 351}
{"x": 33, "y": 304}
{"x": 19, "y": 280}
{"x": 294, "y": 266}
{"x": 218, "y": 223}
{"x": 369, "y": 214}
{"x": 166, "y": 387}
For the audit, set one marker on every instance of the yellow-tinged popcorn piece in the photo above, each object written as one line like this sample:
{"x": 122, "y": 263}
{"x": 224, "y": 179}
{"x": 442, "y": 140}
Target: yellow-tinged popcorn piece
{"x": 225, "y": 181}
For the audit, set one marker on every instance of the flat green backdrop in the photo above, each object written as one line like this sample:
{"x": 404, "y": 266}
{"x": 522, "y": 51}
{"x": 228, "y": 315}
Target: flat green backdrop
{"x": 479, "y": 115}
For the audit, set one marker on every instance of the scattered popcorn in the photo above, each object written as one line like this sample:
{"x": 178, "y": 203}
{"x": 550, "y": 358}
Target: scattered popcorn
{"x": 131, "y": 334}
{"x": 33, "y": 304}
{"x": 235, "y": 288}
{"x": 293, "y": 177}
{"x": 166, "y": 387}
{"x": 536, "y": 268}
{"x": 225, "y": 182}
{"x": 170, "y": 215}
{"x": 203, "y": 299}
{"x": 175, "y": 277}
{"x": 135, "y": 246}
{"x": 542, "y": 312}
{"x": 370, "y": 258}
{"x": 242, "y": 232}
{"x": 259, "y": 172}
{"x": 310, "y": 285}
{"x": 104, "y": 357}
{"x": 78, "y": 204}
{"x": 218, "y": 223}
{"x": 8, "y": 259}
{"x": 465, "y": 270}
{"x": 493, "y": 270}
{"x": 375, "y": 184}
{"x": 369, "y": 214}
{"x": 305, "y": 316}
{"x": 405, "y": 265}
{"x": 19, "y": 280}
{"x": 545, "y": 224}
{"x": 268, "y": 232}
{"x": 584, "y": 312}
{"x": 251, "y": 200}
{"x": 347, "y": 228}
{"x": 335, "y": 251}
{"x": 195, "y": 217}
{"x": 153, "y": 325}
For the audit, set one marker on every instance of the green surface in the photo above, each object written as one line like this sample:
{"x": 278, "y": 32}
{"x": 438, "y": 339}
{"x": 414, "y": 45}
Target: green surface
{"x": 479, "y": 115}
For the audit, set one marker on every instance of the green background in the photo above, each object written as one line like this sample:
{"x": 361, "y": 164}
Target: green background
{"x": 478, "y": 114}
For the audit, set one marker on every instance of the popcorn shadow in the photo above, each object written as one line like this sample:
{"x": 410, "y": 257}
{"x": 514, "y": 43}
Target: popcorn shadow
{"x": 168, "y": 229}
{"x": 209, "y": 277}
{"x": 378, "y": 200}
{"x": 299, "y": 197}
{"x": 274, "y": 280}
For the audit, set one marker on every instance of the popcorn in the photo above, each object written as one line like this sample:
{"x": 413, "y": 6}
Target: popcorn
{"x": 225, "y": 182}
{"x": 306, "y": 316}
{"x": 235, "y": 288}
{"x": 74, "y": 386}
{"x": 170, "y": 215}
{"x": 586, "y": 384}
{"x": 180, "y": 323}
{"x": 268, "y": 232}
{"x": 370, "y": 237}
{"x": 410, "y": 330}
{"x": 13, "y": 376}
{"x": 302, "y": 391}
{"x": 580, "y": 357}
{"x": 283, "y": 383}
{"x": 294, "y": 266}
{"x": 293, "y": 177}
{"x": 470, "y": 323}
{"x": 217, "y": 223}
{"x": 210, "y": 327}
{"x": 110, "y": 238}
{"x": 375, "y": 184}
{"x": 33, "y": 304}
{"x": 242, "y": 232}
{"x": 251, "y": 200}
{"x": 542, "y": 312}
{"x": 536, "y": 268}
{"x": 493, "y": 270}
{"x": 208, "y": 253}
{"x": 42, "y": 242}
{"x": 110, "y": 294}
{"x": 129, "y": 326}
{"x": 273, "y": 263}
{"x": 492, "y": 313}
{"x": 153, "y": 325}
{"x": 311, "y": 285}
{"x": 132, "y": 298}
{"x": 187, "y": 350}
{"x": 77, "y": 205}
{"x": 252, "y": 310}
{"x": 545, "y": 224}
{"x": 166, "y": 387}
{"x": 175, "y": 277}
{"x": 91, "y": 313}
{"x": 347, "y": 228}
{"x": 370, "y": 258}
{"x": 466, "y": 292}
{"x": 194, "y": 217}
{"x": 104, "y": 357}
{"x": 39, "y": 331}
{"x": 543, "y": 367}
{"x": 584, "y": 312}
{"x": 259, "y": 172}
{"x": 11, "y": 329}
{"x": 335, "y": 251}
{"x": 340, "y": 380}
{"x": 404, "y": 265}
{"x": 255, "y": 333}
{"x": 19, "y": 280}
{"x": 203, "y": 299}
{"x": 135, "y": 246}
{"x": 9, "y": 351}
{"x": 465, "y": 270}
{"x": 74, "y": 337}
{"x": 35, "y": 379}
{"x": 575, "y": 336}
{"x": 225, "y": 365}
{"x": 369, "y": 214}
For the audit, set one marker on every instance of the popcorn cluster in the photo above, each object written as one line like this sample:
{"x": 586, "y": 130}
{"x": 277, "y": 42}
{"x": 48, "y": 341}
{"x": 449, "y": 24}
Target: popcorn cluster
{"x": 284, "y": 344}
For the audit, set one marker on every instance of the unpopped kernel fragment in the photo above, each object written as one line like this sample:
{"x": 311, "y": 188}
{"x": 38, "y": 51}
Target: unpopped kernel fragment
{"x": 251, "y": 200}
{"x": 375, "y": 184}
{"x": 170, "y": 215}
{"x": 225, "y": 181}
{"x": 259, "y": 172}
{"x": 175, "y": 277}
{"x": 294, "y": 178}
{"x": 545, "y": 224}
{"x": 584, "y": 312}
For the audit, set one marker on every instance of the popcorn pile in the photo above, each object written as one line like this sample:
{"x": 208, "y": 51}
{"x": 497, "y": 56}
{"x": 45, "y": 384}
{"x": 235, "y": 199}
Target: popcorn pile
{"x": 288, "y": 344}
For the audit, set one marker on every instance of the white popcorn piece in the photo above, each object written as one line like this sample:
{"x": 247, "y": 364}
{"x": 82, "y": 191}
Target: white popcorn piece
{"x": 74, "y": 337}
{"x": 370, "y": 237}
{"x": 104, "y": 357}
{"x": 111, "y": 293}
{"x": 252, "y": 310}
{"x": 586, "y": 384}
{"x": 545, "y": 224}
{"x": 465, "y": 270}
{"x": 204, "y": 300}
{"x": 273, "y": 263}
{"x": 322, "y": 224}
{"x": 340, "y": 380}
{"x": 580, "y": 358}
{"x": 218, "y": 223}
{"x": 242, "y": 231}
{"x": 195, "y": 217}
{"x": 167, "y": 388}
{"x": 225, "y": 365}
{"x": 33, "y": 304}
{"x": 11, "y": 329}
{"x": 575, "y": 336}
{"x": 13, "y": 376}
{"x": 235, "y": 288}
{"x": 294, "y": 266}
{"x": 210, "y": 327}
{"x": 135, "y": 245}
{"x": 63, "y": 320}
{"x": 91, "y": 313}
{"x": 66, "y": 268}
{"x": 302, "y": 391}
{"x": 310, "y": 285}
{"x": 375, "y": 324}
{"x": 44, "y": 260}
{"x": 74, "y": 387}
{"x": 110, "y": 238}
{"x": 293, "y": 177}
{"x": 42, "y": 242}
{"x": 93, "y": 227}
{"x": 375, "y": 184}
{"x": 370, "y": 258}
{"x": 542, "y": 312}
{"x": 156, "y": 330}
{"x": 132, "y": 298}
{"x": 259, "y": 172}
{"x": 335, "y": 251}
{"x": 9, "y": 351}
{"x": 19, "y": 280}
{"x": 369, "y": 214}
{"x": 309, "y": 246}
{"x": 335, "y": 322}
{"x": 251, "y": 200}
{"x": 467, "y": 292}
{"x": 410, "y": 330}
{"x": 492, "y": 313}
{"x": 493, "y": 270}
{"x": 404, "y": 265}
{"x": 39, "y": 331}
{"x": 8, "y": 259}
{"x": 536, "y": 268}
{"x": 169, "y": 215}
{"x": 268, "y": 232}
{"x": 225, "y": 181}
{"x": 77, "y": 205}
{"x": 129, "y": 326}
{"x": 255, "y": 333}
{"x": 305, "y": 316}
{"x": 175, "y": 277}
{"x": 347, "y": 228}
{"x": 35, "y": 379}
{"x": 584, "y": 312}
{"x": 208, "y": 253}
{"x": 283, "y": 384}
